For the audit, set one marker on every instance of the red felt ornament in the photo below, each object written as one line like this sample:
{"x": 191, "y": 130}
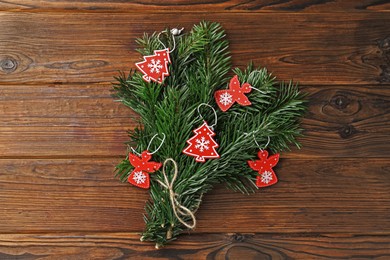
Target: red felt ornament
{"x": 264, "y": 166}
{"x": 155, "y": 67}
{"x": 202, "y": 145}
{"x": 142, "y": 167}
{"x": 227, "y": 97}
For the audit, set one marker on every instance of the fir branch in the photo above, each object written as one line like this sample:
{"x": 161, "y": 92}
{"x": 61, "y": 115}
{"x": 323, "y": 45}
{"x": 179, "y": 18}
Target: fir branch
{"x": 199, "y": 66}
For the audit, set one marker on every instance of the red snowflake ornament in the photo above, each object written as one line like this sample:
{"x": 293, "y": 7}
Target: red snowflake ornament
{"x": 155, "y": 67}
{"x": 202, "y": 145}
{"x": 225, "y": 98}
{"x": 142, "y": 167}
{"x": 267, "y": 176}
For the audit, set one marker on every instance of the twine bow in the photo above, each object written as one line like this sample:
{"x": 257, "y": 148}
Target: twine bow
{"x": 176, "y": 206}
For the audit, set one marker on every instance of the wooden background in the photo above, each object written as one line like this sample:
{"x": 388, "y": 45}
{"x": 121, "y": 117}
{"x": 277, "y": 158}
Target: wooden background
{"x": 61, "y": 134}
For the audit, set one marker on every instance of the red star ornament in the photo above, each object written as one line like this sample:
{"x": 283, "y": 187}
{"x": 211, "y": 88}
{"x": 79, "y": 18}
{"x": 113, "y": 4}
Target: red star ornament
{"x": 155, "y": 67}
{"x": 267, "y": 176}
{"x": 225, "y": 98}
{"x": 202, "y": 145}
{"x": 142, "y": 167}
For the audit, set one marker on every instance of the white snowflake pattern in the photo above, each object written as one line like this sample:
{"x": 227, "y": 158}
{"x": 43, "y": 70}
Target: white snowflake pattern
{"x": 155, "y": 66}
{"x": 226, "y": 98}
{"x": 266, "y": 177}
{"x": 139, "y": 177}
{"x": 202, "y": 144}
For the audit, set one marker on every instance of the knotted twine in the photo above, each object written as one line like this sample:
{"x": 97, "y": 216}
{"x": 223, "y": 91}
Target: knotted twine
{"x": 178, "y": 209}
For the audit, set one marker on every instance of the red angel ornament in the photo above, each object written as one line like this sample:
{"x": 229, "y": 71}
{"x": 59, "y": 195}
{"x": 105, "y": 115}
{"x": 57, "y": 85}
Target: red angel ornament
{"x": 225, "y": 98}
{"x": 202, "y": 145}
{"x": 264, "y": 166}
{"x": 142, "y": 167}
{"x": 155, "y": 67}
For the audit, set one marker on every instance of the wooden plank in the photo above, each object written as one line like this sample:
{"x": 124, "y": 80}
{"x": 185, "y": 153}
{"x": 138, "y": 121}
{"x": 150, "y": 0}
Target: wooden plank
{"x": 59, "y": 120}
{"x": 346, "y": 122}
{"x": 197, "y": 6}
{"x": 196, "y": 246}
{"x": 71, "y": 195}
{"x": 84, "y": 47}
{"x": 83, "y": 120}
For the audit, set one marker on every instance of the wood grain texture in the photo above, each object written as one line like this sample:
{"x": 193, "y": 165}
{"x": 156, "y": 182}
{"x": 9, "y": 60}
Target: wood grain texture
{"x": 315, "y": 49}
{"x": 346, "y": 122}
{"x": 61, "y": 133}
{"x": 84, "y": 121}
{"x": 196, "y": 246}
{"x": 59, "y": 120}
{"x": 66, "y": 195}
{"x": 197, "y": 6}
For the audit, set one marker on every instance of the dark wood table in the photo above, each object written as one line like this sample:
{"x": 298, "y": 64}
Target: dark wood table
{"x": 61, "y": 133}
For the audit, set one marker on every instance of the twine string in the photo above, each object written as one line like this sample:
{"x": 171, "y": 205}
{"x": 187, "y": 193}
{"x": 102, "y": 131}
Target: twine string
{"x": 178, "y": 209}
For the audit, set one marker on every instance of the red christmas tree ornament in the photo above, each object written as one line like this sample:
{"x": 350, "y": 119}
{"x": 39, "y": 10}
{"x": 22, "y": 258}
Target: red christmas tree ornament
{"x": 227, "y": 97}
{"x": 202, "y": 145}
{"x": 142, "y": 167}
{"x": 264, "y": 166}
{"x": 155, "y": 67}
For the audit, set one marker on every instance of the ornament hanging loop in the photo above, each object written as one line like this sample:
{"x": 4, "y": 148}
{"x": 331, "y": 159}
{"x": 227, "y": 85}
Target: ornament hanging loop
{"x": 158, "y": 38}
{"x": 215, "y": 114}
{"x": 134, "y": 151}
{"x": 174, "y": 32}
{"x": 262, "y": 148}
{"x": 262, "y": 92}
{"x": 253, "y": 72}
{"x": 158, "y": 148}
{"x": 250, "y": 74}
{"x": 150, "y": 142}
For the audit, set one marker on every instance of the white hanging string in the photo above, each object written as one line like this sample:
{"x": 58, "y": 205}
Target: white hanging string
{"x": 174, "y": 32}
{"x": 255, "y": 71}
{"x": 262, "y": 92}
{"x": 215, "y": 113}
{"x": 158, "y": 148}
{"x": 265, "y": 147}
{"x": 250, "y": 74}
{"x": 150, "y": 142}
{"x": 254, "y": 139}
{"x": 134, "y": 151}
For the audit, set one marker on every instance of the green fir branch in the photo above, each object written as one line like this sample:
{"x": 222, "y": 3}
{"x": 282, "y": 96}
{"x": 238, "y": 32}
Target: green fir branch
{"x": 200, "y": 63}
